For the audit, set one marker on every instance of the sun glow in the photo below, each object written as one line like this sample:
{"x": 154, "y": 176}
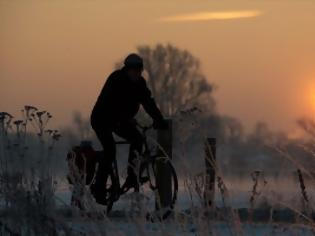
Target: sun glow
{"x": 312, "y": 98}
{"x": 204, "y": 16}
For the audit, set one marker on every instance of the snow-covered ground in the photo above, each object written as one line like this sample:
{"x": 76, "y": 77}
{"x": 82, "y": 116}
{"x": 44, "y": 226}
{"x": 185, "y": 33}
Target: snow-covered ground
{"x": 238, "y": 197}
{"x": 132, "y": 228}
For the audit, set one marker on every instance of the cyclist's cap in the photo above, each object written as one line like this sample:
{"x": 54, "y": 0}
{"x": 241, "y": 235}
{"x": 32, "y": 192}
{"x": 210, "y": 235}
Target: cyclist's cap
{"x": 134, "y": 61}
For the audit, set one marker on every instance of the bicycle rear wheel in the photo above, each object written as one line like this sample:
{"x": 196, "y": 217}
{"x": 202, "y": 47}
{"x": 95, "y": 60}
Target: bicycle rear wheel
{"x": 112, "y": 187}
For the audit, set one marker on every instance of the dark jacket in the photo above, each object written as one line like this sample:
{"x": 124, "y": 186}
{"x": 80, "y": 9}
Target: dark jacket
{"x": 120, "y": 100}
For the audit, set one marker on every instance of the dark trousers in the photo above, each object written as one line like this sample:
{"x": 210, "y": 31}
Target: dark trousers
{"x": 127, "y": 131}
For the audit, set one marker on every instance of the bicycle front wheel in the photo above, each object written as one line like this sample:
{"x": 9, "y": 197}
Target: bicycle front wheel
{"x": 163, "y": 181}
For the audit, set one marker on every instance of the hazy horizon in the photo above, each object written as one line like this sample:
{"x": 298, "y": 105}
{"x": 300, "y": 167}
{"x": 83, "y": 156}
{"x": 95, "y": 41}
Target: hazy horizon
{"x": 260, "y": 54}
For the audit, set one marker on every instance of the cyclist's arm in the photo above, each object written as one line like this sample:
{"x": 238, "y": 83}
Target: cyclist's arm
{"x": 149, "y": 104}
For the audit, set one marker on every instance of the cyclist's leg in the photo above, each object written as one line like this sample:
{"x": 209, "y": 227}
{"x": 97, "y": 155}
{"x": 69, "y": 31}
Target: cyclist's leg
{"x": 105, "y": 136}
{"x": 129, "y": 131}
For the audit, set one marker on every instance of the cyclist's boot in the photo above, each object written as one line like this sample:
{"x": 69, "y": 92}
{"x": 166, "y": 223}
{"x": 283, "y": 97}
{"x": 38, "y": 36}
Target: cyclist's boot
{"x": 130, "y": 182}
{"x": 99, "y": 193}
{"x": 114, "y": 194}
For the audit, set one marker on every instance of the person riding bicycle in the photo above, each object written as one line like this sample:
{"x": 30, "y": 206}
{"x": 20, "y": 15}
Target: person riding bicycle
{"x": 114, "y": 111}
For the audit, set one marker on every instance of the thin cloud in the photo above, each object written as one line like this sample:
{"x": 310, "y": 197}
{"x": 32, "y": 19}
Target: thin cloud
{"x": 206, "y": 16}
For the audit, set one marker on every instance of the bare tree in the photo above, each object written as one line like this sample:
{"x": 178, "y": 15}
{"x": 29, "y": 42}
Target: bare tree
{"x": 175, "y": 79}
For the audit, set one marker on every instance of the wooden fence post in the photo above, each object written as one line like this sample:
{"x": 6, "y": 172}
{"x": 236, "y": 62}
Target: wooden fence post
{"x": 210, "y": 161}
{"x": 164, "y": 175}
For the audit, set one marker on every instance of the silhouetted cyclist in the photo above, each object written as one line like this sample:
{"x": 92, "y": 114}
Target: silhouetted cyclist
{"x": 119, "y": 101}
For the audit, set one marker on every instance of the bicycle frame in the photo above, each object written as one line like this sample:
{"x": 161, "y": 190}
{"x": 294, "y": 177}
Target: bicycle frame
{"x": 143, "y": 131}
{"x": 146, "y": 166}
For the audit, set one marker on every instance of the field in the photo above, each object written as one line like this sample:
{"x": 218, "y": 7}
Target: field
{"x": 36, "y": 197}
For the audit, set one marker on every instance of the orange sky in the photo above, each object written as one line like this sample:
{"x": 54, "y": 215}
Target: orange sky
{"x": 260, "y": 54}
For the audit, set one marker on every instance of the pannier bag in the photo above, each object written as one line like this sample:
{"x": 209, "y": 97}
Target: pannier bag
{"x": 81, "y": 163}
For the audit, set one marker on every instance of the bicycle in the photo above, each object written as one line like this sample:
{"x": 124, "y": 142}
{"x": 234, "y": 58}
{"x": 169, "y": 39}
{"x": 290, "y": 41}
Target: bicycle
{"x": 148, "y": 162}
{"x": 147, "y": 173}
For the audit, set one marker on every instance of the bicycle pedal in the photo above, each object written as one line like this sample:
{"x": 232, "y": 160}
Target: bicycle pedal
{"x": 144, "y": 179}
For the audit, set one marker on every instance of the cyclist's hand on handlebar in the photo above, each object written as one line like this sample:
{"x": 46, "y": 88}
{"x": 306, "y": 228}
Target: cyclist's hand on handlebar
{"x": 160, "y": 124}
